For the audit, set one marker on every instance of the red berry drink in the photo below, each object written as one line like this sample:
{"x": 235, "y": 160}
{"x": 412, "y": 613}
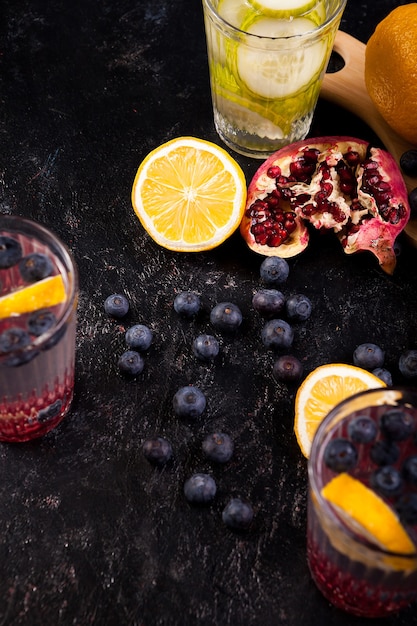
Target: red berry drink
{"x": 38, "y": 299}
{"x": 362, "y": 509}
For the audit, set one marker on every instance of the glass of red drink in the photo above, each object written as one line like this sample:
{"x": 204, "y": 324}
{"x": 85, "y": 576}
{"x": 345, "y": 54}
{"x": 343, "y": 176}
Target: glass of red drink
{"x": 362, "y": 505}
{"x": 38, "y": 300}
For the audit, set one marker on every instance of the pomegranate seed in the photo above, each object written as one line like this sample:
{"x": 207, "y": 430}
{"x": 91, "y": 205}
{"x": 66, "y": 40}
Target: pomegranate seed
{"x": 352, "y": 158}
{"x": 274, "y": 171}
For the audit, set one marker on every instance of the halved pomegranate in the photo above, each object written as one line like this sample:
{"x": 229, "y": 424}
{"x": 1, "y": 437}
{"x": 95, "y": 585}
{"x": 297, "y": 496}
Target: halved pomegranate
{"x": 337, "y": 183}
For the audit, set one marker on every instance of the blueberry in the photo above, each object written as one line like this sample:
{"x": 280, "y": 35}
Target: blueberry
{"x": 218, "y": 447}
{"x": 200, "y": 488}
{"x": 10, "y": 252}
{"x": 50, "y": 412}
{"x": 384, "y": 453}
{"x": 362, "y": 429}
{"x": 206, "y": 347}
{"x": 131, "y": 363}
{"x": 396, "y": 424}
{"x": 408, "y": 364}
{"x": 368, "y": 356}
{"x": 408, "y": 162}
{"x": 189, "y": 402}
{"x": 55, "y": 338}
{"x": 139, "y": 337}
{"x": 35, "y": 266}
{"x": 21, "y": 357}
{"x": 409, "y": 470}
{"x": 226, "y": 317}
{"x": 387, "y": 481}
{"x": 340, "y": 455}
{"x": 237, "y": 514}
{"x": 268, "y": 302}
{"x": 157, "y": 450}
{"x": 41, "y": 321}
{"x": 277, "y": 334}
{"x": 298, "y": 307}
{"x": 274, "y": 270}
{"x": 406, "y": 507}
{"x": 187, "y": 303}
{"x": 116, "y": 305}
{"x": 287, "y": 369}
{"x": 13, "y": 339}
{"x": 384, "y": 374}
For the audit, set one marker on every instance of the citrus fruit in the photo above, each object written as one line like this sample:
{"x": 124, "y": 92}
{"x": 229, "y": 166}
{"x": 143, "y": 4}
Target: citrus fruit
{"x": 391, "y": 70}
{"x": 40, "y": 295}
{"x": 321, "y": 391}
{"x": 189, "y": 194}
{"x": 365, "y": 512}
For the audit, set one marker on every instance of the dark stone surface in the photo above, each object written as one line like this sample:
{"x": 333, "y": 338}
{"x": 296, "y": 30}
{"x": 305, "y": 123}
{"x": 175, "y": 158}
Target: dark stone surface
{"x": 90, "y": 532}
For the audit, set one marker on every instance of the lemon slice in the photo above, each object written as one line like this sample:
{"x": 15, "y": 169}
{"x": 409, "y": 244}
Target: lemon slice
{"x": 189, "y": 195}
{"x": 275, "y": 73}
{"x": 321, "y": 391}
{"x": 283, "y": 8}
{"x": 366, "y": 513}
{"x": 40, "y": 295}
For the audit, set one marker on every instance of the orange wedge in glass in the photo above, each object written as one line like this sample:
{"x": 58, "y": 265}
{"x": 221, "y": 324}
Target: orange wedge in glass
{"x": 43, "y": 294}
{"x": 189, "y": 195}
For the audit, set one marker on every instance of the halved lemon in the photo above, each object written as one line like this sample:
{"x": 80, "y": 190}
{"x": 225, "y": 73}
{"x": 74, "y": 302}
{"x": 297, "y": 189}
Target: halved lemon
{"x": 40, "y": 295}
{"x": 189, "y": 195}
{"x": 319, "y": 393}
{"x": 366, "y": 513}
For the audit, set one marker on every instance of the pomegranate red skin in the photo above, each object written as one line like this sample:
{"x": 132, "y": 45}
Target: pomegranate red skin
{"x": 372, "y": 233}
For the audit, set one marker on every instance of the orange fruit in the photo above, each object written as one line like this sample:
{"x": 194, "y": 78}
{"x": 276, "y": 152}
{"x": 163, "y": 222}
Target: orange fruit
{"x": 391, "y": 70}
{"x": 189, "y": 195}
{"x": 364, "y": 511}
{"x": 319, "y": 393}
{"x": 43, "y": 294}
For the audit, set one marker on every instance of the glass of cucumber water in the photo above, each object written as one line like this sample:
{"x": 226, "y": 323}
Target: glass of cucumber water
{"x": 267, "y": 59}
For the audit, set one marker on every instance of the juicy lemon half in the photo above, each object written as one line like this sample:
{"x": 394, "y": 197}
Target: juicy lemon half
{"x": 189, "y": 195}
{"x": 40, "y": 295}
{"x": 365, "y": 512}
{"x": 321, "y": 391}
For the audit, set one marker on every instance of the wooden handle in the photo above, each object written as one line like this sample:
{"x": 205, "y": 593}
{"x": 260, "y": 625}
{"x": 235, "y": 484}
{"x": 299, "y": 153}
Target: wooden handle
{"x": 347, "y": 89}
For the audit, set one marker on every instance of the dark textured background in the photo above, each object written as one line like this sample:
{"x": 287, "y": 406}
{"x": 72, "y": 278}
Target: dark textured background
{"x": 89, "y": 532}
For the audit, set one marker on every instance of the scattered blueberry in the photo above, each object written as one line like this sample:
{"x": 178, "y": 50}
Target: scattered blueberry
{"x": 362, "y": 429}
{"x": 384, "y": 374}
{"x": 157, "y": 450}
{"x": 131, "y": 363}
{"x": 226, "y": 317}
{"x": 340, "y": 455}
{"x": 39, "y": 322}
{"x": 408, "y": 364}
{"x": 408, "y": 162}
{"x": 237, "y": 514}
{"x": 268, "y": 302}
{"x": 277, "y": 334}
{"x": 298, "y": 307}
{"x": 116, "y": 305}
{"x": 406, "y": 507}
{"x": 35, "y": 266}
{"x": 13, "y": 339}
{"x": 287, "y": 369}
{"x": 409, "y": 470}
{"x": 206, "y": 347}
{"x": 139, "y": 337}
{"x": 200, "y": 488}
{"x": 384, "y": 452}
{"x": 274, "y": 270}
{"x": 187, "y": 303}
{"x": 396, "y": 424}
{"x": 218, "y": 447}
{"x": 368, "y": 356}
{"x": 189, "y": 402}
{"x": 387, "y": 481}
{"x": 10, "y": 252}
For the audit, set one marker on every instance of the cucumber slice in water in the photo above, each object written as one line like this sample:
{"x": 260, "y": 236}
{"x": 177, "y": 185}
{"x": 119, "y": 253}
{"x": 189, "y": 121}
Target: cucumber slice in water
{"x": 235, "y": 12}
{"x": 279, "y": 74}
{"x": 283, "y": 8}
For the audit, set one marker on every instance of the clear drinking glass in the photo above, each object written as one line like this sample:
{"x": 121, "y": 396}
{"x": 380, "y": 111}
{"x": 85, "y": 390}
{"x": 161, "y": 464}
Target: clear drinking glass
{"x": 38, "y": 300}
{"x": 352, "y": 570}
{"x": 266, "y": 69}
